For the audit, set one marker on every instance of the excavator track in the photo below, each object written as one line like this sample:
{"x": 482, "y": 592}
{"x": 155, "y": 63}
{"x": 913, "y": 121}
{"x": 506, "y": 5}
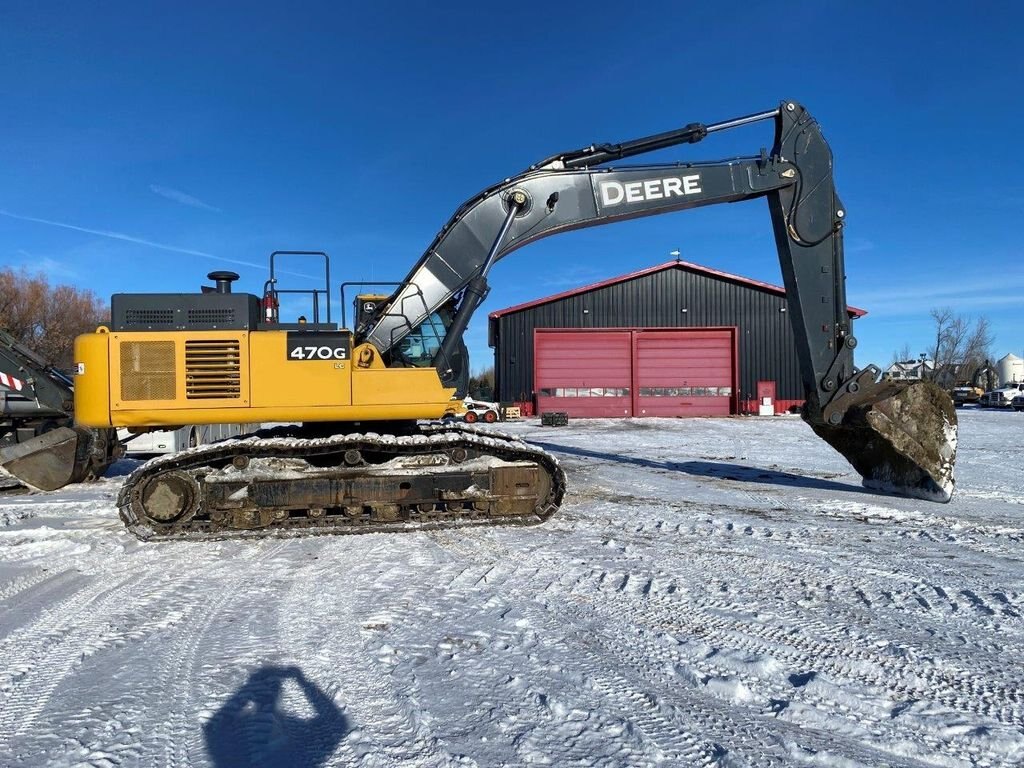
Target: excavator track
{"x": 442, "y": 476}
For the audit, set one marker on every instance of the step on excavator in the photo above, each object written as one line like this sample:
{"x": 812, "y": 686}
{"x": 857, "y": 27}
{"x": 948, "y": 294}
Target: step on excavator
{"x": 41, "y": 446}
{"x": 360, "y": 459}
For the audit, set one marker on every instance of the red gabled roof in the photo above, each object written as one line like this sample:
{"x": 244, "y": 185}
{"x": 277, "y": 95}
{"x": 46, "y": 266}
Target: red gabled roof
{"x": 854, "y": 311}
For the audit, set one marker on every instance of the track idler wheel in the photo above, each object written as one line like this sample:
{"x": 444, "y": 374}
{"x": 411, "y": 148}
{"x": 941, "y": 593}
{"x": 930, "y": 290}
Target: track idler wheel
{"x": 900, "y": 437}
{"x": 170, "y": 498}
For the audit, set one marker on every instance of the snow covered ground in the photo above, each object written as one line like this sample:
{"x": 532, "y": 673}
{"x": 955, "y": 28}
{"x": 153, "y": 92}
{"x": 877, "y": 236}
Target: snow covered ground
{"x": 714, "y": 592}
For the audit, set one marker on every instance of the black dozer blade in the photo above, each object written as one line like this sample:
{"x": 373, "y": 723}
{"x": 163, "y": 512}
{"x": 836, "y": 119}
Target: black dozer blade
{"x": 53, "y": 459}
{"x": 900, "y": 436}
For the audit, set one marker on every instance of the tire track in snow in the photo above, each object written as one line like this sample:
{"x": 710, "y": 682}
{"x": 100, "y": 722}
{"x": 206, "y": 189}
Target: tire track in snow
{"x": 659, "y": 704}
{"x": 504, "y": 572}
{"x": 855, "y": 599}
{"x": 739, "y": 722}
{"x": 911, "y": 589}
{"x": 158, "y": 713}
{"x": 873, "y": 666}
{"x": 34, "y": 587}
{"x": 896, "y": 662}
{"x": 39, "y": 656}
{"x": 182, "y": 740}
{"x": 717, "y": 645}
{"x": 907, "y": 663}
{"x": 386, "y": 725}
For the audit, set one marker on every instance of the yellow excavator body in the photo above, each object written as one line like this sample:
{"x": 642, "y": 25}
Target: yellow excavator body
{"x": 331, "y": 471}
{"x": 146, "y": 379}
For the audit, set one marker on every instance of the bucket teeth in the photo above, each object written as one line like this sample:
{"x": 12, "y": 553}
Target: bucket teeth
{"x": 900, "y": 437}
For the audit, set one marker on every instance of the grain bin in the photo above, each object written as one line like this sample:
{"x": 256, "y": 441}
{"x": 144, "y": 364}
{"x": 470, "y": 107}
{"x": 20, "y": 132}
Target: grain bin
{"x": 1010, "y": 369}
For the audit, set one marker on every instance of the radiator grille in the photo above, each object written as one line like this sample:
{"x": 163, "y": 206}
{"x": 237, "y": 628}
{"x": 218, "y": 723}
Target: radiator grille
{"x": 148, "y": 317}
{"x": 147, "y": 370}
{"x": 212, "y": 316}
{"x": 213, "y": 369}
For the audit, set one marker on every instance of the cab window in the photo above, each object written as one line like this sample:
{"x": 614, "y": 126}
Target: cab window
{"x": 420, "y": 346}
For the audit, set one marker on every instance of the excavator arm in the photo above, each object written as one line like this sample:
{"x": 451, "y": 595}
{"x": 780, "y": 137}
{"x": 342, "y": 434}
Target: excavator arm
{"x": 576, "y": 189}
{"x": 899, "y": 438}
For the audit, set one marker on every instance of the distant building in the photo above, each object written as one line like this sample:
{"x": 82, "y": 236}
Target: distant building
{"x": 913, "y": 370}
{"x": 676, "y": 339}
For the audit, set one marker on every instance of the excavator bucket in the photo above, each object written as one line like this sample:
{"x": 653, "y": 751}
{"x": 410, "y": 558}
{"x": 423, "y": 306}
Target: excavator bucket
{"x": 54, "y": 459}
{"x": 900, "y": 437}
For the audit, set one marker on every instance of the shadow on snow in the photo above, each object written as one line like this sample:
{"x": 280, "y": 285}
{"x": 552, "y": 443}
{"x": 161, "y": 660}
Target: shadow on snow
{"x": 253, "y": 729}
{"x": 715, "y": 469}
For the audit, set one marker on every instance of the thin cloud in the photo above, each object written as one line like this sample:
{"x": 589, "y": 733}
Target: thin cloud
{"x": 571, "y": 277}
{"x": 859, "y": 245}
{"x": 55, "y": 268}
{"x": 976, "y": 295}
{"x": 181, "y": 197}
{"x": 141, "y": 241}
{"x": 950, "y": 291}
{"x": 52, "y": 268}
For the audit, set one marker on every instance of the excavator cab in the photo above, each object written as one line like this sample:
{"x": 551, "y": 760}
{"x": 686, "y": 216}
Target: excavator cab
{"x": 412, "y": 346}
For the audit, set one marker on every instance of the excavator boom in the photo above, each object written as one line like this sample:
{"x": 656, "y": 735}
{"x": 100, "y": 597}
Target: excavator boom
{"x": 900, "y": 438}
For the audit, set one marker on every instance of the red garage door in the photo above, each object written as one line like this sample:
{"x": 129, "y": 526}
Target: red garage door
{"x": 586, "y": 373}
{"x": 635, "y": 372}
{"x": 683, "y": 373}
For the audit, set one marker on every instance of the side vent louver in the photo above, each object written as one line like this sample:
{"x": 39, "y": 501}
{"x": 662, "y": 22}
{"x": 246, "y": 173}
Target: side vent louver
{"x": 147, "y": 370}
{"x": 213, "y": 369}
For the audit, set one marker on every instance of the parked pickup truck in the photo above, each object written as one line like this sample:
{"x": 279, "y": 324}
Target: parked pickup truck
{"x": 1002, "y": 397}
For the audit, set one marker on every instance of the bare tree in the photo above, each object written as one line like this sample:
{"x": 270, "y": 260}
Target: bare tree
{"x": 47, "y": 318}
{"x": 977, "y": 350}
{"x": 960, "y": 349}
{"x": 902, "y": 355}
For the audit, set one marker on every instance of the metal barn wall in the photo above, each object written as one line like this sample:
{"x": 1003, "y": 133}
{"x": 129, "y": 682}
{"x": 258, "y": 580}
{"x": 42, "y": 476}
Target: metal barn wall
{"x": 766, "y": 347}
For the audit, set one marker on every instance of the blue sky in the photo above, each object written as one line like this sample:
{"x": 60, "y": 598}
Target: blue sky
{"x": 144, "y": 144}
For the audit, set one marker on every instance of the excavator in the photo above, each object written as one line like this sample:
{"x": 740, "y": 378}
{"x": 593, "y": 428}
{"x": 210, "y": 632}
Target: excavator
{"x": 41, "y": 446}
{"x": 359, "y": 456}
